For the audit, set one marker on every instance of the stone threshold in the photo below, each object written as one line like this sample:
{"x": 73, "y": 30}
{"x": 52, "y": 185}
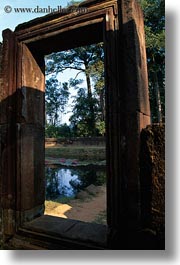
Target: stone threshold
{"x": 77, "y": 233}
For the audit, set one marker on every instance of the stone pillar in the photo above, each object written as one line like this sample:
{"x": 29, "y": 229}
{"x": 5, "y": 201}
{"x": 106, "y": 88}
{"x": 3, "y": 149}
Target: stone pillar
{"x": 22, "y": 181}
{"x": 7, "y": 136}
{"x": 137, "y": 107}
{"x": 128, "y": 111}
{"x": 1, "y": 82}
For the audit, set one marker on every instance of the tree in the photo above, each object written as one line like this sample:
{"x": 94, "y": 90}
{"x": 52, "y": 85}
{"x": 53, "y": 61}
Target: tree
{"x": 56, "y": 98}
{"x": 59, "y": 131}
{"x": 154, "y": 16}
{"x": 87, "y": 60}
{"x": 81, "y": 119}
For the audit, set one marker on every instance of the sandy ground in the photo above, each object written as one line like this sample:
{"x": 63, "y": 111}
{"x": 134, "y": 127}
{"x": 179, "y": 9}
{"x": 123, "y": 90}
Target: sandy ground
{"x": 90, "y": 209}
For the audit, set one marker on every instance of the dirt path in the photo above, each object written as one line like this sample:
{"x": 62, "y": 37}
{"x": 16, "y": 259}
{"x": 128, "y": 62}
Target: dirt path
{"x": 90, "y": 209}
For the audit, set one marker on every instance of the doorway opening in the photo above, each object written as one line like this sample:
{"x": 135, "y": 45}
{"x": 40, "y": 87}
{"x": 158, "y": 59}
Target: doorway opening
{"x": 75, "y": 134}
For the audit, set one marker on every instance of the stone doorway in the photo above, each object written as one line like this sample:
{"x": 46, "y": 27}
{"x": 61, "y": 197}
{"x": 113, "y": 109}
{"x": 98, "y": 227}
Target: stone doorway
{"x": 120, "y": 25}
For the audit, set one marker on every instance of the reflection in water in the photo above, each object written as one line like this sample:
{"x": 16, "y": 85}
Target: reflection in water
{"x": 66, "y": 182}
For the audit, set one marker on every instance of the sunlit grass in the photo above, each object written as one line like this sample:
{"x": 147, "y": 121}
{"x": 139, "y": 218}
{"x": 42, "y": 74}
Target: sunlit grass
{"x": 78, "y": 152}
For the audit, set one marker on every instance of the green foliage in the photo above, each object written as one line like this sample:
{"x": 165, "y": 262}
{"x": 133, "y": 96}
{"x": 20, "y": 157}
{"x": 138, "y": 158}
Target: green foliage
{"x": 51, "y": 131}
{"x": 60, "y": 131}
{"x": 64, "y": 131}
{"x": 82, "y": 119}
{"x": 154, "y": 16}
{"x": 56, "y": 98}
{"x": 80, "y": 58}
{"x": 89, "y": 104}
{"x": 100, "y": 126}
{"x": 74, "y": 3}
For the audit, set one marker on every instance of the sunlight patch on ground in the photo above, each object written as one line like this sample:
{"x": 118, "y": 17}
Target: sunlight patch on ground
{"x": 56, "y": 209}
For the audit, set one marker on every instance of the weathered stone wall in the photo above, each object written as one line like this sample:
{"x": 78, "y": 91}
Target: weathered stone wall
{"x": 152, "y": 179}
{"x": 0, "y": 64}
{"x": 0, "y": 55}
{"x": 0, "y": 136}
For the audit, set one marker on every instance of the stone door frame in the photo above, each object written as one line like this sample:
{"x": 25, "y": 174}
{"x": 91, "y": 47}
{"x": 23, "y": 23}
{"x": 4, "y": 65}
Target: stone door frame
{"x": 119, "y": 24}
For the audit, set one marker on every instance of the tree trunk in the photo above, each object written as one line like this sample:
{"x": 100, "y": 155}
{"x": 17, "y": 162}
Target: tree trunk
{"x": 88, "y": 81}
{"x": 157, "y": 98}
{"x": 91, "y": 105}
{"x": 102, "y": 104}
